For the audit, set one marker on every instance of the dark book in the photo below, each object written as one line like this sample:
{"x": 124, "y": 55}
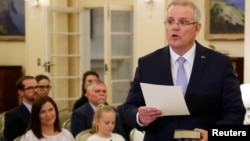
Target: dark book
{"x": 186, "y": 134}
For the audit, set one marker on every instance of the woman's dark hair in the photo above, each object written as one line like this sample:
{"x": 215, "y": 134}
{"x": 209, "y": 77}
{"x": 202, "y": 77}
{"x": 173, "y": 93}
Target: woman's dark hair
{"x": 41, "y": 77}
{"x": 84, "y": 77}
{"x": 35, "y": 124}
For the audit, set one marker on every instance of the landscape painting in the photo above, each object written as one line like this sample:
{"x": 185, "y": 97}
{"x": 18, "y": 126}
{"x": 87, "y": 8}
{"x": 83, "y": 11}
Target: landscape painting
{"x": 12, "y": 20}
{"x": 225, "y": 19}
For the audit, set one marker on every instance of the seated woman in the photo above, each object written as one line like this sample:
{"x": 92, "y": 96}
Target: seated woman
{"x": 103, "y": 125}
{"x": 43, "y": 84}
{"x": 44, "y": 123}
{"x": 88, "y": 77}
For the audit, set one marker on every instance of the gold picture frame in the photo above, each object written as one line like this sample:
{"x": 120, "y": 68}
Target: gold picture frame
{"x": 12, "y": 20}
{"x": 12, "y": 38}
{"x": 221, "y": 22}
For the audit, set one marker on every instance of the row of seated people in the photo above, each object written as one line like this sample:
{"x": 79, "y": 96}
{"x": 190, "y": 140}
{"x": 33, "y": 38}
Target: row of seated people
{"x": 16, "y": 120}
{"x": 96, "y": 94}
{"x": 45, "y": 124}
{"x": 85, "y": 107}
{"x": 104, "y": 116}
{"x": 28, "y": 88}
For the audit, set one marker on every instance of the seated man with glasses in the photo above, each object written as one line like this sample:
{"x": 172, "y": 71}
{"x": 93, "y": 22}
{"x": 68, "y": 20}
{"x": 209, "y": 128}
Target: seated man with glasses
{"x": 17, "y": 119}
{"x": 43, "y": 84}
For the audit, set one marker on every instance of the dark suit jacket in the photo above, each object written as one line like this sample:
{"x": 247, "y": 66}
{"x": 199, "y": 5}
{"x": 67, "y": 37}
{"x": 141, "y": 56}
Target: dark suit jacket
{"x": 82, "y": 100}
{"x": 126, "y": 128}
{"x": 213, "y": 94}
{"x": 16, "y": 122}
{"x": 82, "y": 119}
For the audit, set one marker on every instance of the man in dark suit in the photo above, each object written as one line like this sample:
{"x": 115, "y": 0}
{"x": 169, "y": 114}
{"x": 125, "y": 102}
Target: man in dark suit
{"x": 17, "y": 119}
{"x": 212, "y": 95}
{"x": 82, "y": 117}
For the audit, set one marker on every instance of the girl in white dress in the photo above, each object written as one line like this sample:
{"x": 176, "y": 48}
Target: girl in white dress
{"x": 103, "y": 125}
{"x": 44, "y": 123}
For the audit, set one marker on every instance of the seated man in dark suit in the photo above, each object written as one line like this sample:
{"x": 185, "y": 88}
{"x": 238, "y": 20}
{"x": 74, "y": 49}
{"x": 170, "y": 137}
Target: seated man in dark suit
{"x": 17, "y": 119}
{"x": 82, "y": 117}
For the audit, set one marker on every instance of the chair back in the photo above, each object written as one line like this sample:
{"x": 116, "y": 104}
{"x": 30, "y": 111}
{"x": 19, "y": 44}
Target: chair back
{"x": 67, "y": 125}
{"x": 18, "y": 138}
{"x": 64, "y": 115}
{"x": 83, "y": 135}
{"x": 2, "y": 116}
{"x": 245, "y": 93}
{"x": 136, "y": 135}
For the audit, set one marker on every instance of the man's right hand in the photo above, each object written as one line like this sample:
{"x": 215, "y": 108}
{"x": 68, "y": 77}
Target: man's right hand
{"x": 148, "y": 114}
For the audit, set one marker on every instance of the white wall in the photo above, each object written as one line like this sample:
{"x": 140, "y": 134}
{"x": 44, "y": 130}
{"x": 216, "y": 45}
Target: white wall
{"x": 12, "y": 53}
{"x": 102, "y": 2}
{"x": 149, "y": 30}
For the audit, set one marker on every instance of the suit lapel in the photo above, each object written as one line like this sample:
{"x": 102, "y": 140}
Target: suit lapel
{"x": 90, "y": 109}
{"x": 200, "y": 61}
{"x": 25, "y": 113}
{"x": 166, "y": 68}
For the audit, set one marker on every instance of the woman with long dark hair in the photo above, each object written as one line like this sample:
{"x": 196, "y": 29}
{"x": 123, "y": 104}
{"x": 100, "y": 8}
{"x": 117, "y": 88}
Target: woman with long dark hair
{"x": 44, "y": 122}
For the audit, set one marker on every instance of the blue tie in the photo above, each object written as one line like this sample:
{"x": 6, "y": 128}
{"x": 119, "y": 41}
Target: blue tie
{"x": 181, "y": 75}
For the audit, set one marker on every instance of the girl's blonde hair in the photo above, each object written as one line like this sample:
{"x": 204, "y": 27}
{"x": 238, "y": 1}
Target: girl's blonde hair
{"x": 99, "y": 110}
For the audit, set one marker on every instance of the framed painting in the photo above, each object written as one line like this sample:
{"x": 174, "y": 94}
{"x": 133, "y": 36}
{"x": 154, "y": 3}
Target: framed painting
{"x": 225, "y": 19}
{"x": 12, "y": 21}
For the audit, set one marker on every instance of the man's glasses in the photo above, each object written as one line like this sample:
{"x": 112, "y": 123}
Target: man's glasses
{"x": 31, "y": 88}
{"x": 41, "y": 87}
{"x": 180, "y": 23}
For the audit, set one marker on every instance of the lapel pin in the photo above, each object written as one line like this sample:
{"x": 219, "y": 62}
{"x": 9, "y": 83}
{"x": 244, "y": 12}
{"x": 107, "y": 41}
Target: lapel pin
{"x": 203, "y": 57}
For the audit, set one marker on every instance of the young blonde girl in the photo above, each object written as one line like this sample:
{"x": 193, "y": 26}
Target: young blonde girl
{"x": 103, "y": 125}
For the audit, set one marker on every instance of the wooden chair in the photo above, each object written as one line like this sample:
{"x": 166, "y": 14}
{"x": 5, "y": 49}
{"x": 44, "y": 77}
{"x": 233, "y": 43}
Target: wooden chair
{"x": 67, "y": 125}
{"x": 82, "y": 136}
{"x": 2, "y": 116}
{"x": 18, "y": 138}
{"x": 245, "y": 93}
{"x": 64, "y": 115}
{"x": 136, "y": 135}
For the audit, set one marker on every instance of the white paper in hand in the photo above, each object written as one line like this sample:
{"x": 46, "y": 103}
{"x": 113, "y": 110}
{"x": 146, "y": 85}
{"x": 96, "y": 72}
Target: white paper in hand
{"x": 168, "y": 99}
